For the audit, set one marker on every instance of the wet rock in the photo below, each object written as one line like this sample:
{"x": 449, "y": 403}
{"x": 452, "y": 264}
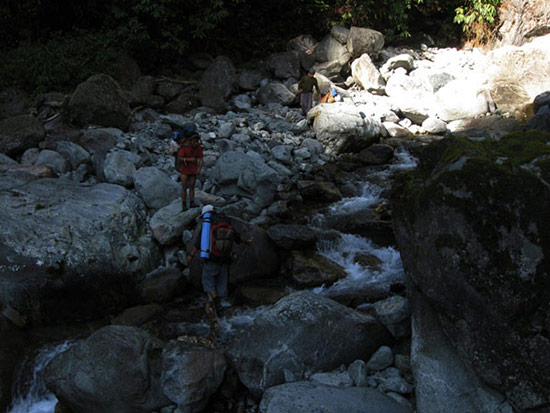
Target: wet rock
{"x": 480, "y": 311}
{"x": 191, "y": 374}
{"x": 117, "y": 368}
{"x": 282, "y": 338}
{"x": 313, "y": 270}
{"x": 394, "y": 313}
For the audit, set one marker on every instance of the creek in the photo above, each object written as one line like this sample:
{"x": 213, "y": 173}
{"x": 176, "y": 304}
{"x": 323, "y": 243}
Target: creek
{"x": 30, "y": 394}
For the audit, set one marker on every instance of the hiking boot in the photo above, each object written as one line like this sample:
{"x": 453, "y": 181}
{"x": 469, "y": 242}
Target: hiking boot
{"x": 192, "y": 204}
{"x": 183, "y": 206}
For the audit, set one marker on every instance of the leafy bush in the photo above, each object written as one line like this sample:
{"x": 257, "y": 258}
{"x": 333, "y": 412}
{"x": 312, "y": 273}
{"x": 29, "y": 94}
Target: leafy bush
{"x": 59, "y": 64}
{"x": 479, "y": 20}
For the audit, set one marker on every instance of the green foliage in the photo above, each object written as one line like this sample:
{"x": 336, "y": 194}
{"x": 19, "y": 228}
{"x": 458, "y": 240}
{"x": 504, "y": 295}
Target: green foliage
{"x": 59, "y": 64}
{"x": 478, "y": 19}
{"x": 477, "y": 11}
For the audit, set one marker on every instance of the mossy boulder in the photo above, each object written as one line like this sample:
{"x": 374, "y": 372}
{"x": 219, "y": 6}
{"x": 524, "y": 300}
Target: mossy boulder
{"x": 472, "y": 223}
{"x": 100, "y": 101}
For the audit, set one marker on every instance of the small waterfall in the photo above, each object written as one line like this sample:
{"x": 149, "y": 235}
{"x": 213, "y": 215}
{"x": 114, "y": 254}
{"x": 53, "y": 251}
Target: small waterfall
{"x": 31, "y": 394}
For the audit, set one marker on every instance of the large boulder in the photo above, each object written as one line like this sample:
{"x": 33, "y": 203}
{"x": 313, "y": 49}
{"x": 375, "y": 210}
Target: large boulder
{"x": 514, "y": 76}
{"x": 330, "y": 49}
{"x": 304, "y": 396}
{"x": 100, "y": 101}
{"x": 285, "y": 65}
{"x": 237, "y": 173}
{"x": 361, "y": 40}
{"x": 155, "y": 187}
{"x": 19, "y": 133}
{"x": 471, "y": 225}
{"x": 303, "y": 332}
{"x": 191, "y": 374}
{"x": 522, "y": 20}
{"x": 218, "y": 83}
{"x": 366, "y": 74}
{"x": 461, "y": 99}
{"x": 343, "y": 127}
{"x": 74, "y": 226}
{"x": 116, "y": 369}
{"x": 275, "y": 92}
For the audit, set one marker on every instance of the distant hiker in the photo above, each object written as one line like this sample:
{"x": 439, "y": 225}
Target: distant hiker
{"x": 189, "y": 162}
{"x": 214, "y": 238}
{"x": 330, "y": 97}
{"x": 305, "y": 90}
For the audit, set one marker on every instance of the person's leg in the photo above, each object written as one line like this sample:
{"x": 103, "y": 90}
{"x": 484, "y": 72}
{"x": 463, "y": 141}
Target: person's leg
{"x": 222, "y": 280}
{"x": 309, "y": 102}
{"x": 184, "y": 191}
{"x": 210, "y": 272}
{"x": 303, "y": 103}
{"x": 191, "y": 183}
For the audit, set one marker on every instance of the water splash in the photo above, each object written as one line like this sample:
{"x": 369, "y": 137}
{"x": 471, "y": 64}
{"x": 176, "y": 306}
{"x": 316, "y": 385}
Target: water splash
{"x": 345, "y": 252}
{"x": 370, "y": 196}
{"x": 37, "y": 398}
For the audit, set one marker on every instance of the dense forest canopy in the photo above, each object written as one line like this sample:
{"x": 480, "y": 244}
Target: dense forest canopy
{"x": 53, "y": 44}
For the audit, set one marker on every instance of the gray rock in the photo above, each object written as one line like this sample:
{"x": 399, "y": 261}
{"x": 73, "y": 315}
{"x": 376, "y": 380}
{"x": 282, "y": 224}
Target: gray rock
{"x": 434, "y": 125}
{"x": 340, "y": 33}
{"x": 6, "y": 160}
{"x": 333, "y": 379}
{"x": 390, "y": 380}
{"x": 275, "y": 92}
{"x": 301, "y": 43}
{"x": 100, "y": 140}
{"x": 239, "y": 174}
{"x": 284, "y": 65}
{"x": 191, "y": 374}
{"x": 366, "y": 74}
{"x": 342, "y": 127}
{"x": 117, "y": 169}
{"x": 377, "y": 154}
{"x": 362, "y": 40}
{"x": 77, "y": 225}
{"x": 442, "y": 380}
{"x": 394, "y": 313}
{"x": 168, "y": 222}
{"x": 358, "y": 372}
{"x": 226, "y": 130}
{"x": 381, "y": 359}
{"x": 161, "y": 285}
{"x": 155, "y": 187}
{"x": 115, "y": 369}
{"x": 249, "y": 79}
{"x": 29, "y": 156}
{"x": 218, "y": 83}
{"x": 283, "y": 153}
{"x": 52, "y": 159}
{"x": 73, "y": 153}
{"x": 302, "y": 331}
{"x": 19, "y": 133}
{"x": 100, "y": 101}
{"x": 329, "y": 49}
{"x": 302, "y": 397}
{"x": 292, "y": 236}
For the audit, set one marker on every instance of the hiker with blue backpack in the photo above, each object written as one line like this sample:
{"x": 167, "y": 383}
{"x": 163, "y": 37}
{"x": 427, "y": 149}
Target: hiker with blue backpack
{"x": 214, "y": 238}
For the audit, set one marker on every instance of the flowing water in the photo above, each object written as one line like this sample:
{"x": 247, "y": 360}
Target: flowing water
{"x": 31, "y": 394}
{"x": 34, "y": 397}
